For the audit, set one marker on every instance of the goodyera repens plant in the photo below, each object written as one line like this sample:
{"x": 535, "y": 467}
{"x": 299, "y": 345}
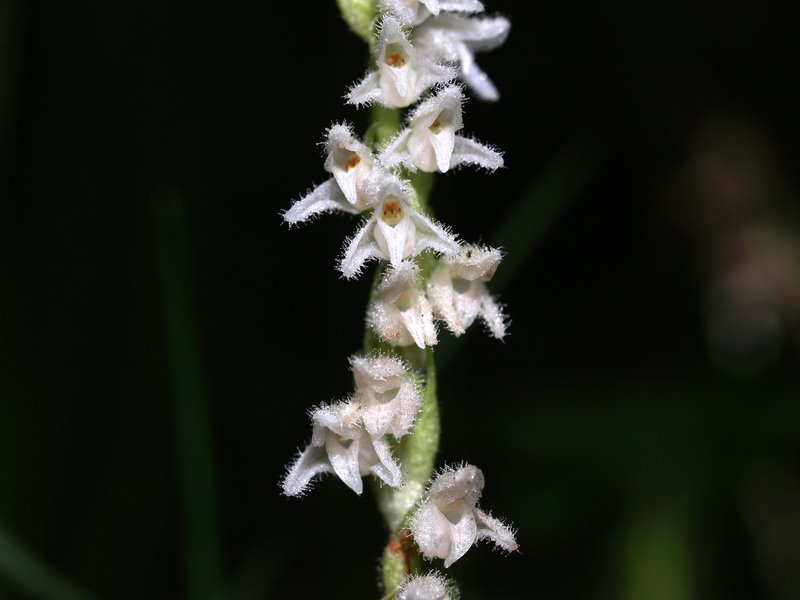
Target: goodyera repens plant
{"x": 421, "y": 58}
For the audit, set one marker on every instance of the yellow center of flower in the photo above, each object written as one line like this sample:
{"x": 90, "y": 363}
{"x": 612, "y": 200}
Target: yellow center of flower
{"x": 395, "y": 57}
{"x": 352, "y": 162}
{"x": 392, "y": 212}
{"x": 436, "y": 126}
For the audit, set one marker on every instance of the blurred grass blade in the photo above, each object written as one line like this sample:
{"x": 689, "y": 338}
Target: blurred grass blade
{"x": 195, "y": 457}
{"x": 31, "y": 576}
{"x": 540, "y": 206}
{"x": 657, "y": 555}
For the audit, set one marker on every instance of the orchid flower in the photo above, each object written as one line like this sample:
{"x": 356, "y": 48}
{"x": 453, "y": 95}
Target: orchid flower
{"x": 387, "y": 393}
{"x": 429, "y": 141}
{"x": 403, "y": 72}
{"x": 458, "y": 294}
{"x": 350, "y": 162}
{"x": 395, "y": 231}
{"x": 402, "y": 315}
{"x": 456, "y": 38}
{"x": 342, "y": 446}
{"x": 449, "y": 522}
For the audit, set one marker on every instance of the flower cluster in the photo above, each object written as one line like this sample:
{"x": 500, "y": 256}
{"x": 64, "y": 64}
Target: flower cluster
{"x": 427, "y": 275}
{"x": 396, "y": 232}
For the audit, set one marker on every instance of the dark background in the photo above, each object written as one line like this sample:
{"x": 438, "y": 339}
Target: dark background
{"x": 640, "y": 424}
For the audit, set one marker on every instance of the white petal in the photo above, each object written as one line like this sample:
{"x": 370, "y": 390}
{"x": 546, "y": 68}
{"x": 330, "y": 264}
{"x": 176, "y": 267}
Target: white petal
{"x": 366, "y": 91}
{"x": 312, "y": 462}
{"x": 344, "y": 457}
{"x": 432, "y": 235}
{"x": 451, "y": 485}
{"x": 350, "y": 163}
{"x": 475, "y": 262}
{"x": 360, "y": 249}
{"x": 397, "y": 242}
{"x": 394, "y": 153}
{"x": 418, "y": 320}
{"x": 378, "y": 417}
{"x": 497, "y": 531}
{"x": 463, "y": 534}
{"x": 479, "y": 33}
{"x": 493, "y": 317}
{"x": 465, "y": 6}
{"x": 326, "y": 197}
{"x": 442, "y": 297}
{"x": 406, "y": 11}
{"x": 478, "y": 81}
{"x": 431, "y": 531}
{"x": 470, "y": 152}
{"x": 431, "y": 73}
{"x": 443, "y": 143}
{"x": 398, "y": 85}
{"x": 386, "y": 469}
{"x": 378, "y": 373}
{"x": 387, "y": 322}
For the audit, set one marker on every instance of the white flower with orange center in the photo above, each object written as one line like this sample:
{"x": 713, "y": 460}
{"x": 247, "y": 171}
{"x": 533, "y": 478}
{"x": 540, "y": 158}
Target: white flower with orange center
{"x": 395, "y": 231}
{"x": 402, "y": 72}
{"x": 350, "y": 162}
{"x": 430, "y": 142}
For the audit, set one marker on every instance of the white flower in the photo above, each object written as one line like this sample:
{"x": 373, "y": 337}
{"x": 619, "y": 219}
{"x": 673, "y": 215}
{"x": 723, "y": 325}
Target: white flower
{"x": 413, "y": 12}
{"x": 395, "y": 231}
{"x": 458, "y": 294}
{"x": 388, "y": 395}
{"x": 402, "y": 315}
{"x": 403, "y": 73}
{"x": 448, "y": 522}
{"x": 350, "y": 162}
{"x": 456, "y": 38}
{"x": 427, "y": 587}
{"x": 341, "y": 445}
{"x": 429, "y": 141}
